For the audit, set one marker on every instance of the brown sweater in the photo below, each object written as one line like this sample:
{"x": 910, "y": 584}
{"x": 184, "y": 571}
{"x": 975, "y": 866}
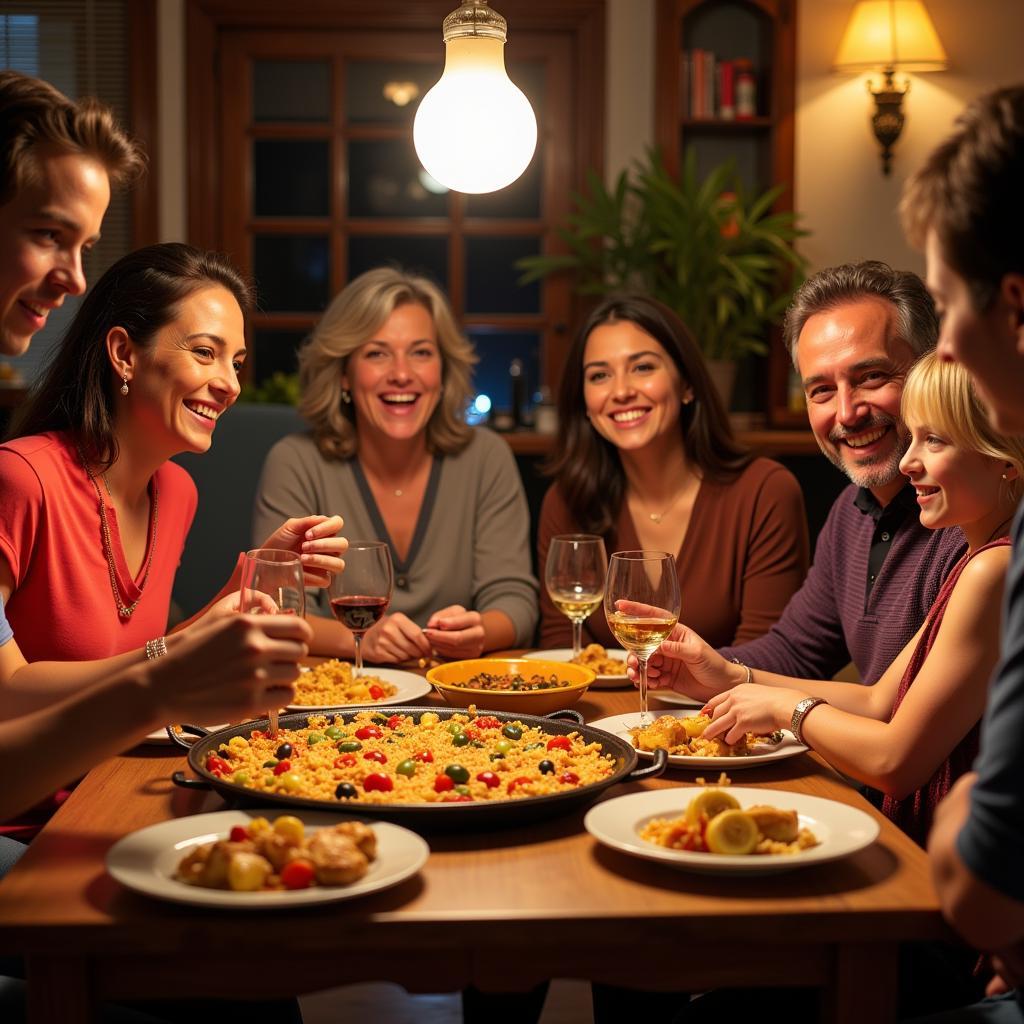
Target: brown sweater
{"x": 744, "y": 555}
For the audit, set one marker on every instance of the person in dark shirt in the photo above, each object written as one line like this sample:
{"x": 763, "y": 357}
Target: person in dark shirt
{"x": 965, "y": 208}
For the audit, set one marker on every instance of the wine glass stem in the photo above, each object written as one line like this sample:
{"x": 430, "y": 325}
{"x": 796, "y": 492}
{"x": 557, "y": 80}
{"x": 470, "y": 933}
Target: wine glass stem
{"x": 358, "y": 638}
{"x": 577, "y": 637}
{"x": 644, "y": 715}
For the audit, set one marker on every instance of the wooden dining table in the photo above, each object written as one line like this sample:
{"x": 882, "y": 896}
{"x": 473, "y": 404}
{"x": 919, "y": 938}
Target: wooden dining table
{"x": 502, "y": 909}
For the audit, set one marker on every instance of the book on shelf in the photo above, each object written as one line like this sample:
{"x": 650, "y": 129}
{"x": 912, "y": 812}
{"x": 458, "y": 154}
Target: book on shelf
{"x": 709, "y": 86}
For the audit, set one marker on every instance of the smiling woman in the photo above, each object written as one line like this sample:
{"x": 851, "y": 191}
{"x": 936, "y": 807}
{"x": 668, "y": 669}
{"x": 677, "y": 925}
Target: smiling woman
{"x": 93, "y": 516}
{"x": 386, "y": 381}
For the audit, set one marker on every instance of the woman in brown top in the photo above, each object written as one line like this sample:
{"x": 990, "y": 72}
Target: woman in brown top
{"x": 646, "y": 458}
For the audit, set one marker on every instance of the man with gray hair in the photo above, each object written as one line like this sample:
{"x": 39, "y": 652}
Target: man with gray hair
{"x": 853, "y": 332}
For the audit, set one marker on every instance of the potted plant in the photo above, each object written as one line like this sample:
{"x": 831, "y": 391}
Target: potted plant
{"x": 722, "y": 260}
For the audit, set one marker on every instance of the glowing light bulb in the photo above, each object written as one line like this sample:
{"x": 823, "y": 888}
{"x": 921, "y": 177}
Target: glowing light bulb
{"x": 474, "y": 130}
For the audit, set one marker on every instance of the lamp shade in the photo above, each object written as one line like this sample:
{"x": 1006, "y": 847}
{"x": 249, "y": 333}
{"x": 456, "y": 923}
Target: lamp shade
{"x": 890, "y": 33}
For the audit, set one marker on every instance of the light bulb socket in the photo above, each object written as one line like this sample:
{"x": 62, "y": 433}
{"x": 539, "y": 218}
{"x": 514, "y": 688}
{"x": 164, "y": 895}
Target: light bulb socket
{"x": 475, "y": 18}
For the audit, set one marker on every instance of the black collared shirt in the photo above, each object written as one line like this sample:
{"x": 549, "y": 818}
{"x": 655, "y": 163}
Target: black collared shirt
{"x": 887, "y": 521}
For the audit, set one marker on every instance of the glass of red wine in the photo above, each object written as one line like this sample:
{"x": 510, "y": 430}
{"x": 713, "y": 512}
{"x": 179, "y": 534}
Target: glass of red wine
{"x": 361, "y": 594}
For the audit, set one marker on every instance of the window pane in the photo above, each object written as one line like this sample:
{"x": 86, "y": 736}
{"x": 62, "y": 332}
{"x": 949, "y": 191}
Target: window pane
{"x": 491, "y": 276}
{"x": 388, "y": 92}
{"x": 291, "y": 178}
{"x": 426, "y": 256}
{"x": 292, "y": 272}
{"x": 385, "y": 179}
{"x": 291, "y": 90}
{"x": 497, "y": 349}
{"x": 275, "y": 352}
{"x": 520, "y": 200}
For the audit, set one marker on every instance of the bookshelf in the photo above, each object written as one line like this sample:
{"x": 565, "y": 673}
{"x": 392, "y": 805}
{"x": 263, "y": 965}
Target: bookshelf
{"x": 759, "y": 38}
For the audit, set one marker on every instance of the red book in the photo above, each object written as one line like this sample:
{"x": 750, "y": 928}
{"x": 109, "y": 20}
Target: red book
{"x": 726, "y": 90}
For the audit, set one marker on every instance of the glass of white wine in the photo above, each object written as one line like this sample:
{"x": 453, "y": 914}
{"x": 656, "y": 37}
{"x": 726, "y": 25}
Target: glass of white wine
{"x": 641, "y": 603}
{"x": 574, "y": 575}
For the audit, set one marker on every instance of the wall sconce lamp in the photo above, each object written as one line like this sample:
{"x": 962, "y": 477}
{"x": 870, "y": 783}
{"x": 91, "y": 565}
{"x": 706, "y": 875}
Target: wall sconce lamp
{"x": 475, "y": 131}
{"x": 890, "y": 34}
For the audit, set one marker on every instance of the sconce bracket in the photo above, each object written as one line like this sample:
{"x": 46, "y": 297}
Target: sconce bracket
{"x": 887, "y": 121}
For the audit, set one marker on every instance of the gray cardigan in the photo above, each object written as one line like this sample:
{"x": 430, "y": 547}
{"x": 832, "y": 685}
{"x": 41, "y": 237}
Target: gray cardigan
{"x": 471, "y": 545}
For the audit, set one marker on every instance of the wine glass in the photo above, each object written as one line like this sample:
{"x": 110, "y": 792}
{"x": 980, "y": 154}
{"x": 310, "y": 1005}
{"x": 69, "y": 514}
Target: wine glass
{"x": 361, "y": 594}
{"x": 272, "y": 584}
{"x": 641, "y": 603}
{"x": 574, "y": 576}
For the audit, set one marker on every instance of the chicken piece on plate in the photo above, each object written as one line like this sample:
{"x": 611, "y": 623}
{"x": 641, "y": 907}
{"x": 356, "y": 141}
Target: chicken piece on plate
{"x": 248, "y": 872}
{"x": 336, "y": 858}
{"x": 361, "y": 834}
{"x": 214, "y": 874}
{"x": 773, "y": 823}
{"x": 666, "y": 731}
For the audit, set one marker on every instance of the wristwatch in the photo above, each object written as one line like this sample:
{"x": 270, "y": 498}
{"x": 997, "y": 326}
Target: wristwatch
{"x": 800, "y": 712}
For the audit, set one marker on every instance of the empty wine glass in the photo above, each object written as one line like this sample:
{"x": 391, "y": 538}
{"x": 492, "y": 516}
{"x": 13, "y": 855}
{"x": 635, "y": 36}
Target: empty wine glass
{"x": 641, "y": 603}
{"x": 361, "y": 594}
{"x": 574, "y": 576}
{"x": 272, "y": 583}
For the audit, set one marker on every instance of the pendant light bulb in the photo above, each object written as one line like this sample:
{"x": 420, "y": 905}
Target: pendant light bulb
{"x": 474, "y": 130}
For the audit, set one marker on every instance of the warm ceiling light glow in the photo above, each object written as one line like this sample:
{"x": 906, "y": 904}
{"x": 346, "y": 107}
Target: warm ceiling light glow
{"x": 890, "y": 34}
{"x": 401, "y": 93}
{"x": 474, "y": 130}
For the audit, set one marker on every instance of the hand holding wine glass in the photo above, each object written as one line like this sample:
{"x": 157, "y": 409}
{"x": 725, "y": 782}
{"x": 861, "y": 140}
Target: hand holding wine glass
{"x": 574, "y": 576}
{"x": 641, "y": 603}
{"x": 272, "y": 584}
{"x": 361, "y": 594}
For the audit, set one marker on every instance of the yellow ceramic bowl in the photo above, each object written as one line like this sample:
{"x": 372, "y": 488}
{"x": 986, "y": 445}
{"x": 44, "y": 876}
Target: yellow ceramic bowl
{"x": 575, "y": 678}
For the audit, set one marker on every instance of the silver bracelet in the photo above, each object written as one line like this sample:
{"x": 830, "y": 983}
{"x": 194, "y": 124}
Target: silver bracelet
{"x": 156, "y": 648}
{"x": 746, "y": 668}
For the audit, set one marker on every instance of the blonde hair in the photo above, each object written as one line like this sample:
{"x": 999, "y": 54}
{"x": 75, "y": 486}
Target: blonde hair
{"x": 943, "y": 395}
{"x": 356, "y": 313}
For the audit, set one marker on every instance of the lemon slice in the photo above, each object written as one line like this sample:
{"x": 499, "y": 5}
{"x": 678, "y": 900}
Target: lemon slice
{"x": 710, "y": 802}
{"x": 732, "y": 832}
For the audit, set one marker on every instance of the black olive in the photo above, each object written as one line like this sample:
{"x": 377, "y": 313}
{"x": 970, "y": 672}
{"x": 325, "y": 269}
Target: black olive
{"x": 547, "y": 767}
{"x": 283, "y": 751}
{"x": 345, "y": 791}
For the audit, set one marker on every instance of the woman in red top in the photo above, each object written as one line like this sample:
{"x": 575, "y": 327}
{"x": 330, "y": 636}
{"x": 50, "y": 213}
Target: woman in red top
{"x": 93, "y": 515}
{"x": 914, "y": 732}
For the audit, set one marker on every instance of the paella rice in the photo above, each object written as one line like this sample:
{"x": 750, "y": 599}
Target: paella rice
{"x": 685, "y": 737}
{"x": 402, "y": 759}
{"x": 332, "y": 682}
{"x": 510, "y": 682}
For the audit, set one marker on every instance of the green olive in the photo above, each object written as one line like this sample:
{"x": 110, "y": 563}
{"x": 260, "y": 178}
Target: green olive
{"x": 348, "y": 746}
{"x": 503, "y": 746}
{"x": 407, "y": 767}
{"x": 457, "y": 773}
{"x": 332, "y": 732}
{"x": 460, "y": 739}
{"x": 314, "y": 738}
{"x": 513, "y": 732}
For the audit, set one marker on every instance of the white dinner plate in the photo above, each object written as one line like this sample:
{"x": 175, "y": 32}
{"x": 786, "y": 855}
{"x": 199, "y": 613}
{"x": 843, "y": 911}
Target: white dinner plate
{"x": 612, "y": 682}
{"x": 410, "y": 687}
{"x": 146, "y": 860}
{"x": 619, "y": 725}
{"x": 840, "y": 829}
{"x": 667, "y": 696}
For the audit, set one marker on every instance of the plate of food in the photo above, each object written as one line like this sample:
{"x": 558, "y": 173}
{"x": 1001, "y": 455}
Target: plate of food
{"x": 667, "y": 696}
{"x": 681, "y": 734}
{"x": 607, "y": 664}
{"x": 731, "y": 830}
{"x": 332, "y": 685}
{"x": 531, "y": 686}
{"x": 248, "y": 860}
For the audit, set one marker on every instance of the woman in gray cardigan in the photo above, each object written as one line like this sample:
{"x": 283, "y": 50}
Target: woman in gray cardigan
{"x": 386, "y": 376}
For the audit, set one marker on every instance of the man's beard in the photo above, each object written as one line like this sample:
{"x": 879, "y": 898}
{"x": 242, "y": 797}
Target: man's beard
{"x": 877, "y": 471}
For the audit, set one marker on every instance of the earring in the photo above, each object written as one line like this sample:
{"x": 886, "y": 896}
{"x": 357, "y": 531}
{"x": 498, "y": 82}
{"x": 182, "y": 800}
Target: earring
{"x": 1005, "y": 477}
{"x": 346, "y": 396}
{"x": 124, "y": 384}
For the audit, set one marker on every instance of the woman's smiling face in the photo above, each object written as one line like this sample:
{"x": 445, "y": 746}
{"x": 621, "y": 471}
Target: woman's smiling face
{"x": 632, "y": 389}
{"x": 181, "y": 383}
{"x": 395, "y": 376}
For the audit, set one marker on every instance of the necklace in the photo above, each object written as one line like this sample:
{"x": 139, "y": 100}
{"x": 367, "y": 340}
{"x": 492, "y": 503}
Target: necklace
{"x": 125, "y": 611}
{"x": 656, "y": 517}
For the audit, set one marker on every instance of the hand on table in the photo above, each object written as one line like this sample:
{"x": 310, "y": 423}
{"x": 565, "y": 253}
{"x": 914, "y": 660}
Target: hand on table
{"x": 314, "y": 539}
{"x": 395, "y": 638}
{"x": 229, "y": 669}
{"x": 749, "y": 707}
{"x": 455, "y": 633}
